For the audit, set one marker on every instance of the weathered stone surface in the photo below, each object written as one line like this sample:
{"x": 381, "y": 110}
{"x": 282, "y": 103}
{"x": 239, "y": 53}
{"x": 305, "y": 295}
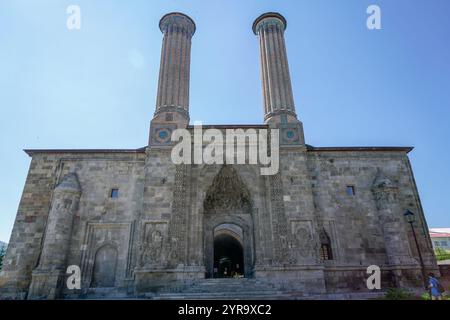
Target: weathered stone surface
{"x": 298, "y": 231}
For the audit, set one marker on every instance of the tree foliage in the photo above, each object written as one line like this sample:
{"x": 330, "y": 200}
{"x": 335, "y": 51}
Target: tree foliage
{"x": 2, "y": 255}
{"x": 441, "y": 254}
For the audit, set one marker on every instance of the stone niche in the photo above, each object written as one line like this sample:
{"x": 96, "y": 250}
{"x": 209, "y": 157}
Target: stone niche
{"x": 105, "y": 259}
{"x": 227, "y": 211}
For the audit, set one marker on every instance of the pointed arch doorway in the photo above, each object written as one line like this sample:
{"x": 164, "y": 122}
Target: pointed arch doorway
{"x": 228, "y": 227}
{"x": 228, "y": 252}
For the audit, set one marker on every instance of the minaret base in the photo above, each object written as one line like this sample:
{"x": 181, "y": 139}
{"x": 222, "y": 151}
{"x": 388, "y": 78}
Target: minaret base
{"x": 165, "y": 121}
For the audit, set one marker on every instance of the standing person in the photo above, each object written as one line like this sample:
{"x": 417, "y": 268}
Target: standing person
{"x": 435, "y": 287}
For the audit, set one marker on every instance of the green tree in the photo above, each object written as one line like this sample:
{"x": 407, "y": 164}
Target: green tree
{"x": 441, "y": 254}
{"x": 2, "y": 255}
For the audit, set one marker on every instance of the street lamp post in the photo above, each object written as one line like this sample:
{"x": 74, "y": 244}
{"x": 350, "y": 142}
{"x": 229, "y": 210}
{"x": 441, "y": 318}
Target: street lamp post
{"x": 410, "y": 218}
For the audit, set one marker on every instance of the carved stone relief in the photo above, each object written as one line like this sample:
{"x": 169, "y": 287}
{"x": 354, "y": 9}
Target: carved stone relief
{"x": 152, "y": 243}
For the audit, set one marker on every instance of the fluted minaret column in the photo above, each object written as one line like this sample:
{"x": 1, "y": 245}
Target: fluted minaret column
{"x": 276, "y": 81}
{"x": 172, "y": 102}
{"x": 173, "y": 86}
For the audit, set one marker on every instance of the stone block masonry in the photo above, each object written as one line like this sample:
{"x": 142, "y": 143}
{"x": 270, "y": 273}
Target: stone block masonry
{"x": 140, "y": 226}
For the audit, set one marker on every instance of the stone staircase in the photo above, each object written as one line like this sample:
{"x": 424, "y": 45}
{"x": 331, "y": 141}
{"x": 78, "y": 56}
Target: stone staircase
{"x": 103, "y": 294}
{"x": 223, "y": 289}
{"x": 229, "y": 288}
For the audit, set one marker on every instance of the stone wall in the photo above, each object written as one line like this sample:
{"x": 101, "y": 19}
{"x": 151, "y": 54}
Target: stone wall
{"x": 26, "y": 238}
{"x": 157, "y": 233}
{"x": 356, "y": 228}
{"x": 98, "y": 220}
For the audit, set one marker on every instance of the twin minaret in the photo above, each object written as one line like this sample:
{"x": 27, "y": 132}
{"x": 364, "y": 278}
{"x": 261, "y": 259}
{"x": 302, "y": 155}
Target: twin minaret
{"x": 174, "y": 71}
{"x": 172, "y": 105}
{"x": 276, "y": 81}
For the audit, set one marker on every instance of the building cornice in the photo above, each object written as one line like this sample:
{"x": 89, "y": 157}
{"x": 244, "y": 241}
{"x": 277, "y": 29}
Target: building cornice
{"x": 32, "y": 152}
{"x": 359, "y": 149}
{"x": 309, "y": 148}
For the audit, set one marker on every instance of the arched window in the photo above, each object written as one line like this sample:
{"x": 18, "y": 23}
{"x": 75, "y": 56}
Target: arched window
{"x": 325, "y": 246}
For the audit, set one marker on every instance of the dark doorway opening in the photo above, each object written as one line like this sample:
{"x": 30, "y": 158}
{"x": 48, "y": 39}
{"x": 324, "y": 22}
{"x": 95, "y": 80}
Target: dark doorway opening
{"x": 228, "y": 257}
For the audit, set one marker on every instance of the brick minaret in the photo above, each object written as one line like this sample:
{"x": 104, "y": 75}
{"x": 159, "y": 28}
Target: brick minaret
{"x": 276, "y": 81}
{"x": 172, "y": 103}
{"x": 279, "y": 107}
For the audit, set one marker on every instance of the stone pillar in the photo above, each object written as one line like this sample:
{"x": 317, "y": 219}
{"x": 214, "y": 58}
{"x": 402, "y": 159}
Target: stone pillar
{"x": 279, "y": 107}
{"x": 48, "y": 278}
{"x": 392, "y": 223}
{"x": 172, "y": 103}
{"x": 276, "y": 81}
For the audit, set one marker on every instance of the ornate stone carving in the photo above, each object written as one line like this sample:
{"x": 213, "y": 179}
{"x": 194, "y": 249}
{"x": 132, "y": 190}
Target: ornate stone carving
{"x": 389, "y": 212}
{"x": 303, "y": 242}
{"x": 384, "y": 191}
{"x": 279, "y": 221}
{"x": 98, "y": 235}
{"x": 152, "y": 246}
{"x": 178, "y": 222}
{"x": 160, "y": 134}
{"x": 227, "y": 193}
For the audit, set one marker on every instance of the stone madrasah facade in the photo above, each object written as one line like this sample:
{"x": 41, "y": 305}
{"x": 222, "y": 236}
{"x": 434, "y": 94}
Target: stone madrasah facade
{"x": 138, "y": 225}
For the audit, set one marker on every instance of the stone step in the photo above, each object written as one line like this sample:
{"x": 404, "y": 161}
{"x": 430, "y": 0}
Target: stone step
{"x": 268, "y": 295}
{"x": 228, "y": 285}
{"x": 105, "y": 293}
{"x": 242, "y": 295}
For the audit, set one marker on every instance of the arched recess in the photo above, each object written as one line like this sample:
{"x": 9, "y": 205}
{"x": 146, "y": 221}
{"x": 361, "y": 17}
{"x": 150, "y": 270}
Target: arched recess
{"x": 105, "y": 265}
{"x": 227, "y": 211}
{"x": 326, "y": 251}
{"x": 227, "y": 194}
{"x": 247, "y": 177}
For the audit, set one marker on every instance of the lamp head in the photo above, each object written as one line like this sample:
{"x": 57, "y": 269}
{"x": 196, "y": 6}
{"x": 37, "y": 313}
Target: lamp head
{"x": 409, "y": 215}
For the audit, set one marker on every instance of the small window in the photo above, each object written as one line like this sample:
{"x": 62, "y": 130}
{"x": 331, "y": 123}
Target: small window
{"x": 114, "y": 193}
{"x": 350, "y": 190}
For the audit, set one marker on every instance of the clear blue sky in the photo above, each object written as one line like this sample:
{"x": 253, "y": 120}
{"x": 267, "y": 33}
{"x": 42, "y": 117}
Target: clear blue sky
{"x": 96, "y": 87}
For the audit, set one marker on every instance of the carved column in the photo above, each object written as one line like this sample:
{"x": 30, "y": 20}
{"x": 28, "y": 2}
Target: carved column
{"x": 282, "y": 235}
{"x": 178, "y": 223}
{"x": 48, "y": 278}
{"x": 392, "y": 224}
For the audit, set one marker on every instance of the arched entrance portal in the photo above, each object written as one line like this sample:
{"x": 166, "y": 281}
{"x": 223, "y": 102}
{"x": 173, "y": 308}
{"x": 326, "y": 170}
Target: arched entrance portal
{"x": 228, "y": 227}
{"x": 228, "y": 256}
{"x": 228, "y": 249}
